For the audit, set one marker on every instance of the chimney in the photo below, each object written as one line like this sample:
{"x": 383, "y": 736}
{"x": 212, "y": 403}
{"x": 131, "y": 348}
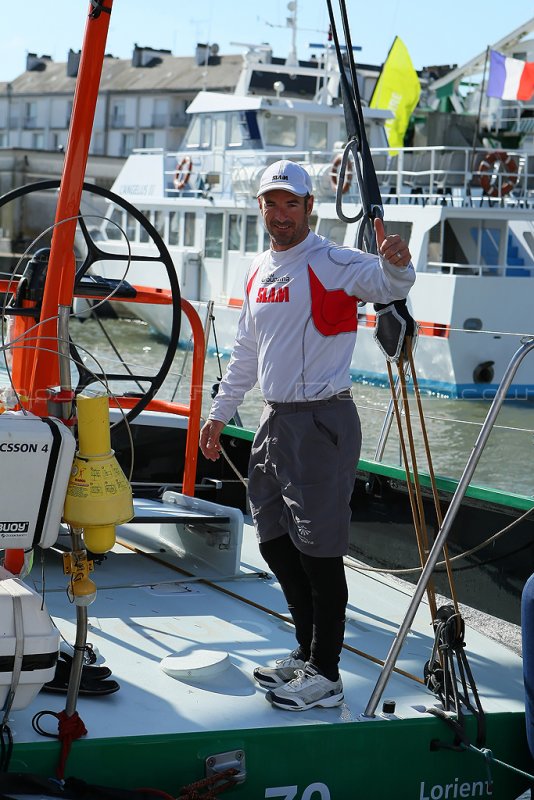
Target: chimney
{"x": 202, "y": 54}
{"x": 73, "y": 63}
{"x": 35, "y": 63}
{"x": 147, "y": 56}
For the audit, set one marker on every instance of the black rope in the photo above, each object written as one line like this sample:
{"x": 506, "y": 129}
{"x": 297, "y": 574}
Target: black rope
{"x": 448, "y": 675}
{"x": 212, "y": 320}
{"x": 6, "y": 747}
{"x": 387, "y": 328}
{"x": 357, "y": 144}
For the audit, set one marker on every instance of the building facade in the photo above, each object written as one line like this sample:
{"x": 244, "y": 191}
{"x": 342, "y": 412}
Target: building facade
{"x": 142, "y": 101}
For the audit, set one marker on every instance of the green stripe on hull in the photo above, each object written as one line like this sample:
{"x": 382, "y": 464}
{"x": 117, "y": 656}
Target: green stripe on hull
{"x": 449, "y": 485}
{"x": 371, "y": 760}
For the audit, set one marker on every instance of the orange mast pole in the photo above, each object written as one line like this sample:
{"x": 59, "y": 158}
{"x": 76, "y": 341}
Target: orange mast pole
{"x": 59, "y": 284}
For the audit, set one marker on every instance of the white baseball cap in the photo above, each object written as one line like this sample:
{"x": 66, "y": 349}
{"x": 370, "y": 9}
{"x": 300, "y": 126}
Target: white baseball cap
{"x": 288, "y": 176}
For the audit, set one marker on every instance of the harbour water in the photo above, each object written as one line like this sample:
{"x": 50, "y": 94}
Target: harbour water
{"x": 452, "y": 425}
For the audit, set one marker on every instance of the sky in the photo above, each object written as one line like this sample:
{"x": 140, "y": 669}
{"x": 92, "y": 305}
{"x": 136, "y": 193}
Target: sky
{"x": 434, "y": 31}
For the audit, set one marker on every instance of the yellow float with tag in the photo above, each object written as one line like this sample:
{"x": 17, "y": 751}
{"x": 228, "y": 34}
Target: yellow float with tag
{"x": 99, "y": 496}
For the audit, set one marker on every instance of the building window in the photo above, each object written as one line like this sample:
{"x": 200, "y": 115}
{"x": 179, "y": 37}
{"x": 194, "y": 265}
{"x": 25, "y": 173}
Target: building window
{"x": 68, "y": 114}
{"x": 37, "y": 141}
{"x": 3, "y": 140}
{"x": 30, "y": 115}
{"x": 214, "y": 229}
{"x": 147, "y": 140}
{"x": 127, "y": 144}
{"x": 160, "y": 115}
{"x": 118, "y": 115}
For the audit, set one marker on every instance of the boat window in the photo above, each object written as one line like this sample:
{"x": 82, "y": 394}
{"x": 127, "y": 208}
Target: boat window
{"x": 199, "y": 133}
{"x": 434, "y": 245}
{"x": 403, "y": 229}
{"x": 234, "y": 231}
{"x": 192, "y": 137}
{"x": 174, "y": 227}
{"x": 131, "y": 228}
{"x": 189, "y": 229}
{"x": 251, "y": 234}
{"x": 206, "y": 132}
{"x": 214, "y": 229}
{"x": 529, "y": 240}
{"x": 235, "y": 138}
{"x": 332, "y": 229}
{"x": 317, "y": 135}
{"x": 219, "y": 131}
{"x": 159, "y": 222}
{"x": 243, "y": 130}
{"x": 112, "y": 232}
{"x": 472, "y": 324}
{"x": 279, "y": 130}
{"x": 143, "y": 234}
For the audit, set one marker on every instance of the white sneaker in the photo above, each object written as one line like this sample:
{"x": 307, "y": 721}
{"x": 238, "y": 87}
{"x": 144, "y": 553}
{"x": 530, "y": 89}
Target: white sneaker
{"x": 308, "y": 689}
{"x": 283, "y": 671}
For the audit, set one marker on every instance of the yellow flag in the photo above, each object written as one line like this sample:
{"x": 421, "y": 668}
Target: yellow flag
{"x": 398, "y": 90}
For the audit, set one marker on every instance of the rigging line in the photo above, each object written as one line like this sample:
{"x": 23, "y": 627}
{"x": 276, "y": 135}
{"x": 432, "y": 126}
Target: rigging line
{"x": 114, "y": 348}
{"x": 458, "y": 556}
{"x": 437, "y": 504}
{"x": 415, "y": 504}
{"x": 355, "y": 133}
{"x": 452, "y": 420}
{"x": 491, "y": 333}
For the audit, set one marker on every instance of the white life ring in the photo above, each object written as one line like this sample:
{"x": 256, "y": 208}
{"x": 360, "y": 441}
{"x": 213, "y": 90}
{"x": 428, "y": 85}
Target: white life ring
{"x": 183, "y": 173}
{"x": 334, "y": 174}
{"x": 492, "y": 168}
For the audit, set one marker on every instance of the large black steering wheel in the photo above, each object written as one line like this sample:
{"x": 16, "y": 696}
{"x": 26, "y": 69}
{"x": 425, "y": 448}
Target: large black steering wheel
{"x": 95, "y": 254}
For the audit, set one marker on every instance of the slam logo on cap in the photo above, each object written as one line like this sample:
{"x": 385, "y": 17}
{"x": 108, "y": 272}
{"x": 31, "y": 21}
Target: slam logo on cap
{"x": 280, "y": 178}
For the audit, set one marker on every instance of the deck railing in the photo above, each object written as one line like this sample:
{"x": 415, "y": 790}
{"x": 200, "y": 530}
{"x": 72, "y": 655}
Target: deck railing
{"x": 440, "y": 174}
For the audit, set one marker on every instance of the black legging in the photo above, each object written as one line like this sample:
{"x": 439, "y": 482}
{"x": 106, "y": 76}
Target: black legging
{"x": 316, "y": 593}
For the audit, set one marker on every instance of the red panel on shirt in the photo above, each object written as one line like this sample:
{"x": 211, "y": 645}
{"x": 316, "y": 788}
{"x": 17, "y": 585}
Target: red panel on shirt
{"x": 333, "y": 311}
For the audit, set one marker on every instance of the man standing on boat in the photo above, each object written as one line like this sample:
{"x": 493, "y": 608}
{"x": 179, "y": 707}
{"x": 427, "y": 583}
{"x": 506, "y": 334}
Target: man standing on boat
{"x": 295, "y": 337}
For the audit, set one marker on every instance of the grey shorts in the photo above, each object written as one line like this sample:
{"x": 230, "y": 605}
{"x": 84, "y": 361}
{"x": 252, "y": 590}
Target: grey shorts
{"x": 302, "y": 471}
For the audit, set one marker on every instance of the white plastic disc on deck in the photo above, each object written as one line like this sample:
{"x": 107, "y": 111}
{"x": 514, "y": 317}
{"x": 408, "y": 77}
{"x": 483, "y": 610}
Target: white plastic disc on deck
{"x": 196, "y": 665}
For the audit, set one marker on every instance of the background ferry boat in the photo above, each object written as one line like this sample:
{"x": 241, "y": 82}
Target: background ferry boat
{"x": 465, "y": 211}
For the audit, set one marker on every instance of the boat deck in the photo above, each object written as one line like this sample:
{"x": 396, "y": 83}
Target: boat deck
{"x": 147, "y": 610}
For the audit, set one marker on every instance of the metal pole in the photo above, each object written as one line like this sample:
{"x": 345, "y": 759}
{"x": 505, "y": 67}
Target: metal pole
{"x": 387, "y": 422}
{"x": 443, "y": 533}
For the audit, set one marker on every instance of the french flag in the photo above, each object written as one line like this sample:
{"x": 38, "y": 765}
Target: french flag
{"x": 510, "y": 78}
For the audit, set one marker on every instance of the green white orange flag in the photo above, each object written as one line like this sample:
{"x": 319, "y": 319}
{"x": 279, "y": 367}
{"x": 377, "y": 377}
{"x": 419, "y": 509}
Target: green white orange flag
{"x": 398, "y": 90}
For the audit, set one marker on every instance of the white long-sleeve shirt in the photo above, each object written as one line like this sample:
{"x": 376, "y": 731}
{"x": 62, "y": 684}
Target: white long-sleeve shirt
{"x": 297, "y": 329}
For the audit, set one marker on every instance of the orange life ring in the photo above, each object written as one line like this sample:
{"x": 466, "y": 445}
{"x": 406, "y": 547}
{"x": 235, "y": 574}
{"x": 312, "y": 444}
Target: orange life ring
{"x": 334, "y": 174}
{"x": 183, "y": 173}
{"x": 498, "y": 173}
